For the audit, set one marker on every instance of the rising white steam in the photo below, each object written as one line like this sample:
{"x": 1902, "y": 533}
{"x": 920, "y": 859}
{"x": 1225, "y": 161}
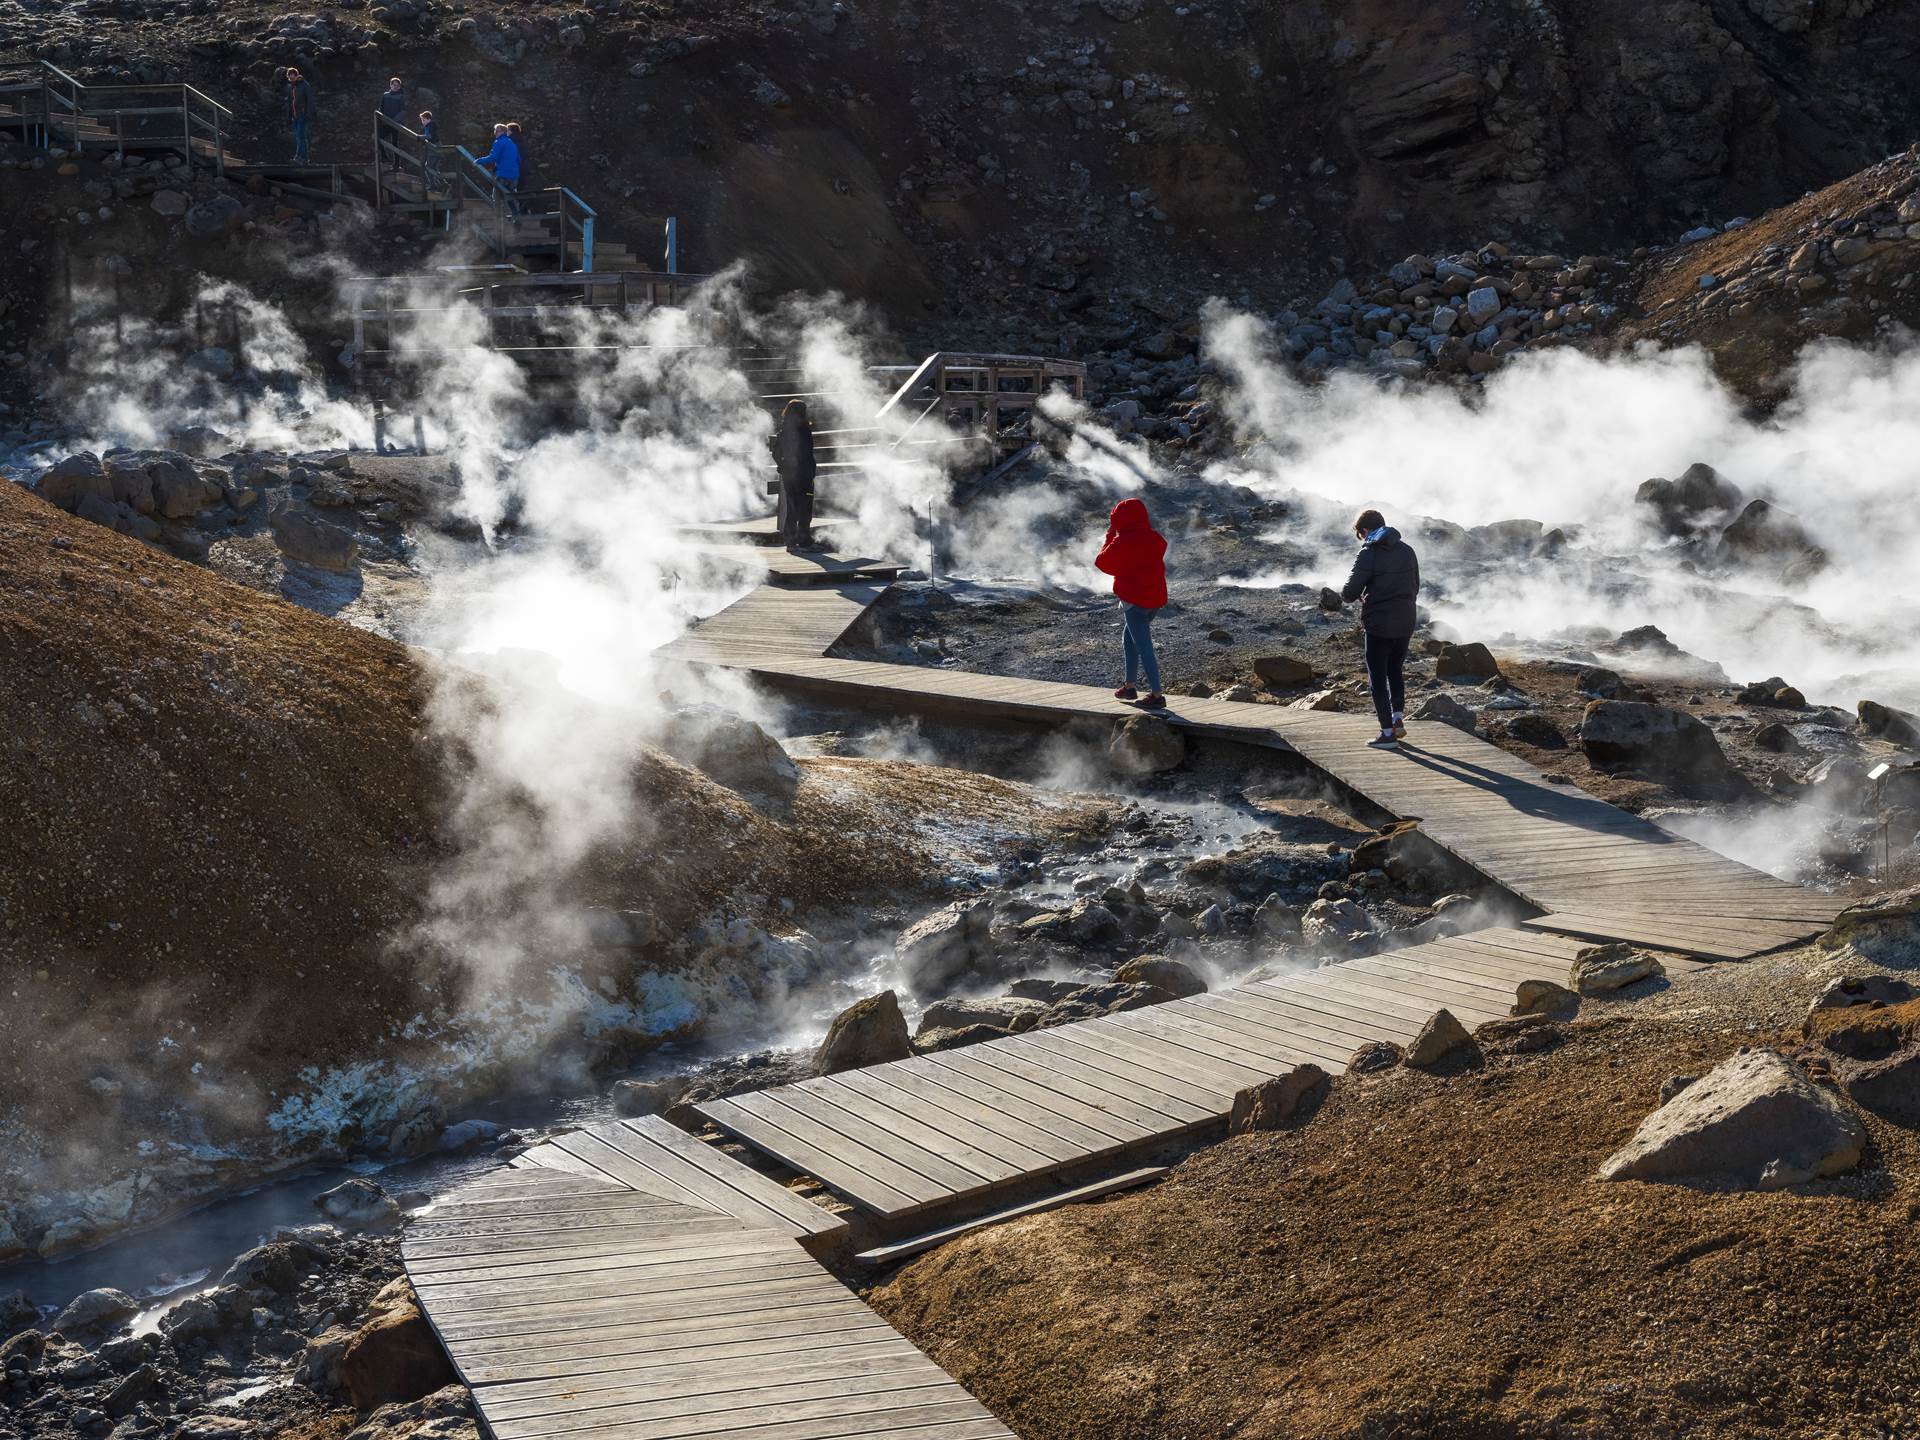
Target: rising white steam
{"x": 1565, "y": 438}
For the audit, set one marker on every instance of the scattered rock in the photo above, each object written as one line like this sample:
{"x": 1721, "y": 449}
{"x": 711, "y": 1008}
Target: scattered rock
{"x": 1472, "y": 661}
{"x": 16, "y": 1313}
{"x": 1438, "y": 1038}
{"x": 1007, "y": 1013}
{"x": 1272, "y": 1103}
{"x": 1176, "y": 977}
{"x": 1680, "y": 506}
{"x": 1850, "y": 990}
{"x": 72, "y": 480}
{"x": 1603, "y": 969}
{"x": 634, "y": 1098}
{"x": 96, "y": 1311}
{"x": 395, "y": 1357}
{"x": 1374, "y": 1055}
{"x": 1143, "y": 745}
{"x": 1776, "y": 739}
{"x": 358, "y": 1204}
{"x": 210, "y": 1313}
{"x": 1657, "y": 742}
{"x": 729, "y": 748}
{"x": 171, "y": 203}
{"x": 868, "y": 1032}
{"x": 1340, "y": 921}
{"x": 1532, "y": 728}
{"x": 305, "y": 539}
{"x": 936, "y": 951}
{"x": 1518, "y": 1035}
{"x": 278, "y": 1267}
{"x": 213, "y": 217}
{"x": 1883, "y": 722}
{"x": 1602, "y": 684}
{"x": 1448, "y": 711}
{"x": 1088, "y": 1002}
{"x": 1330, "y": 599}
{"x": 1753, "y": 1122}
{"x": 955, "y": 1037}
{"x": 1281, "y": 671}
{"x": 1542, "y": 997}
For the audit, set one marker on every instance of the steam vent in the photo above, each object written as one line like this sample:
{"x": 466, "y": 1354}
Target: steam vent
{"x": 1123, "y": 720}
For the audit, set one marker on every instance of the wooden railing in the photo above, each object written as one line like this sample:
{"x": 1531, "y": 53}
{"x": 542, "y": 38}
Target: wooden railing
{"x": 194, "y": 125}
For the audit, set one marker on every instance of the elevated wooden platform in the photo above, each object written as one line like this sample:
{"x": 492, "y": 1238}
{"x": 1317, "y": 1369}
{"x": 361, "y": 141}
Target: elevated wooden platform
{"x": 574, "y": 1306}
{"x": 809, "y": 567}
{"x": 754, "y": 529}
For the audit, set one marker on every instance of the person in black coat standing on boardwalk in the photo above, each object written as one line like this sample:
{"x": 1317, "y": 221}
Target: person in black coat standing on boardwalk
{"x": 792, "y": 447}
{"x": 1387, "y": 574}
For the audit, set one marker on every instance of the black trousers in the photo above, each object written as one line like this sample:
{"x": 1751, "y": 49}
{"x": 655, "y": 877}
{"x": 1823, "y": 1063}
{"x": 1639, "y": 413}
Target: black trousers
{"x": 796, "y": 516}
{"x": 1387, "y": 675}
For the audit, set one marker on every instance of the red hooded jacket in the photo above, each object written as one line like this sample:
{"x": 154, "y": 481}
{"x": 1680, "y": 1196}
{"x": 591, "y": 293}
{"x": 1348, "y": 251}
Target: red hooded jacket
{"x": 1134, "y": 554}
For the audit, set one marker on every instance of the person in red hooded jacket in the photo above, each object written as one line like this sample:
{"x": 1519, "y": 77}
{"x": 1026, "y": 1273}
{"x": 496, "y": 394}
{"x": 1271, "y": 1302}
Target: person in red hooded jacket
{"x": 1134, "y": 554}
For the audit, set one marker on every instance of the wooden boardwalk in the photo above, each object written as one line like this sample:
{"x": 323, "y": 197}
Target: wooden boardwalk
{"x": 575, "y": 1306}
{"x": 631, "y": 1282}
{"x": 1598, "y": 871}
{"x": 936, "y": 1130}
{"x": 809, "y": 567}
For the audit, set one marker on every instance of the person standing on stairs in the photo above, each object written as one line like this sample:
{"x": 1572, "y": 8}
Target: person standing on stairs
{"x": 792, "y": 447}
{"x": 1134, "y": 554}
{"x": 393, "y": 105}
{"x": 300, "y": 112}
{"x": 1387, "y": 574}
{"x": 504, "y": 161}
{"x": 430, "y": 151}
{"x": 519, "y": 139}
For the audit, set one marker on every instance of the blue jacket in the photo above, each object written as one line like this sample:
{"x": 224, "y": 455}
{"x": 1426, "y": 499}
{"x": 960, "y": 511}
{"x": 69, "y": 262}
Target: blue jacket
{"x": 504, "y": 158}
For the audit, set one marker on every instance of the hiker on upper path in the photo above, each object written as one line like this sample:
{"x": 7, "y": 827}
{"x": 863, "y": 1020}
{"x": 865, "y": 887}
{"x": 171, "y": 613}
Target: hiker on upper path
{"x": 792, "y": 447}
{"x": 300, "y": 111}
{"x": 1134, "y": 554}
{"x": 430, "y": 150}
{"x": 393, "y": 105}
{"x": 504, "y": 160}
{"x": 1387, "y": 573}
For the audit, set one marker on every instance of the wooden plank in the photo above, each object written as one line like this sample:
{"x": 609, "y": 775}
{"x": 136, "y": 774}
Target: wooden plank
{"x": 868, "y": 1179}
{"x": 1088, "y": 1125}
{"x": 1180, "y": 1102}
{"x": 718, "y": 1180}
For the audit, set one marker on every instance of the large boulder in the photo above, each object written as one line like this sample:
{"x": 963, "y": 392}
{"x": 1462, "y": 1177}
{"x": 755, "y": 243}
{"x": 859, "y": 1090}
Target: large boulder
{"x": 1145, "y": 745}
{"x": 395, "y": 1357}
{"x": 1658, "y": 743}
{"x": 95, "y": 1312}
{"x": 1448, "y": 711}
{"x": 1283, "y": 670}
{"x": 1753, "y": 1122}
{"x": 277, "y": 1267}
{"x": 729, "y": 748}
{"x": 1883, "y": 722}
{"x": 1603, "y": 969}
{"x": 213, "y": 217}
{"x": 358, "y": 1204}
{"x": 71, "y": 480}
{"x": 1272, "y": 1103}
{"x": 446, "y": 1414}
{"x": 1680, "y": 506}
{"x": 1438, "y": 1038}
{"x": 937, "y": 950}
{"x": 1472, "y": 661}
{"x": 305, "y": 539}
{"x": 1176, "y": 977}
{"x": 1765, "y": 532}
{"x": 1004, "y": 1012}
{"x": 1340, "y": 922}
{"x": 211, "y": 1313}
{"x": 868, "y": 1032}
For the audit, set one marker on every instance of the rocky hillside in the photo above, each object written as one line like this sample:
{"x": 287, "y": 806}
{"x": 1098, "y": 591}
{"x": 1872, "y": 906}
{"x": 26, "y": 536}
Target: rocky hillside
{"x": 960, "y": 168}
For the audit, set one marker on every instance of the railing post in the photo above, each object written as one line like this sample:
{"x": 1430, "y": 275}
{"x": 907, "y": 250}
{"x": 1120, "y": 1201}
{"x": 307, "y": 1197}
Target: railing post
{"x": 219, "y": 150}
{"x": 673, "y": 245}
{"x": 120, "y": 134}
{"x": 379, "y": 190}
{"x": 586, "y": 245}
{"x": 186, "y": 128}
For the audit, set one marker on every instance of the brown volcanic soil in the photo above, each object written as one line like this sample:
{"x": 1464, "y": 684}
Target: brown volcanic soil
{"x": 1429, "y": 1257}
{"x": 222, "y": 814}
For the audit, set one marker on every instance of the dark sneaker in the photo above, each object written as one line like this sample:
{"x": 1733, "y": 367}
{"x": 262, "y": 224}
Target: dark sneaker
{"x": 1155, "y": 701}
{"x": 1385, "y": 740}
{"x": 1126, "y": 692}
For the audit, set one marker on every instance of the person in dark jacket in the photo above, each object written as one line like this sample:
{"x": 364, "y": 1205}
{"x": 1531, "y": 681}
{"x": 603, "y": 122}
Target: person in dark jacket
{"x": 1134, "y": 554}
{"x": 792, "y": 447}
{"x": 430, "y": 150}
{"x": 393, "y": 105}
{"x": 300, "y": 111}
{"x": 1387, "y": 575}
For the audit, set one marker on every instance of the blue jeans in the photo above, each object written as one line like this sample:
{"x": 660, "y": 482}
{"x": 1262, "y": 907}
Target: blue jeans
{"x": 1387, "y": 675}
{"x": 300, "y": 132}
{"x": 1136, "y": 629}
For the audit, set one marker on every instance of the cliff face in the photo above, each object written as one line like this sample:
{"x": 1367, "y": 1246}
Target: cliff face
{"x": 962, "y": 168}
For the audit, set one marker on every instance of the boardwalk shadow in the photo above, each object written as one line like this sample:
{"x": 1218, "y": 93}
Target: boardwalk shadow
{"x": 1530, "y": 797}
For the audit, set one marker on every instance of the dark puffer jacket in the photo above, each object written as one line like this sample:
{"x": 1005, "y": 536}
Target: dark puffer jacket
{"x": 1388, "y": 574}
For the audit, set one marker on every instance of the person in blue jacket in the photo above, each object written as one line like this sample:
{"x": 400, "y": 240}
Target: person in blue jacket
{"x": 504, "y": 161}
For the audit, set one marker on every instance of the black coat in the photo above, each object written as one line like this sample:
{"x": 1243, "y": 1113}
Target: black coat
{"x": 1387, "y": 572}
{"x": 792, "y": 446}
